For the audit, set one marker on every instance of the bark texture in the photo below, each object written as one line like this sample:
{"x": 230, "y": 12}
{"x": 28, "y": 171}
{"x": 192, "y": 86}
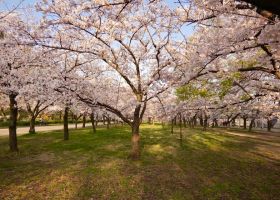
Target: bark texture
{"x": 32, "y": 125}
{"x": 13, "y": 123}
{"x": 65, "y": 123}
{"x": 92, "y": 119}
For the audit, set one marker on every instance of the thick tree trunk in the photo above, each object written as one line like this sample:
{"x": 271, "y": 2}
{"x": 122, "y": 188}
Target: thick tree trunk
{"x": 13, "y": 123}
{"x": 108, "y": 122}
{"x": 135, "y": 140}
{"x": 93, "y": 122}
{"x": 205, "y": 121}
{"x": 215, "y": 123}
{"x": 65, "y": 123}
{"x": 96, "y": 121}
{"x": 201, "y": 121}
{"x": 251, "y": 124}
{"x": 149, "y": 120}
{"x": 194, "y": 121}
{"x": 244, "y": 122}
{"x": 32, "y": 125}
{"x": 269, "y": 125}
{"x": 84, "y": 120}
{"x": 233, "y": 122}
{"x": 227, "y": 123}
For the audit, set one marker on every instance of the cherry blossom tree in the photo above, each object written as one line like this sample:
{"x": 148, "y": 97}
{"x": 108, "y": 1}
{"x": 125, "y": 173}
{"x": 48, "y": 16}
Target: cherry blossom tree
{"x": 37, "y": 95}
{"x": 131, "y": 42}
{"x": 16, "y": 61}
{"x": 235, "y": 28}
{"x": 231, "y": 37}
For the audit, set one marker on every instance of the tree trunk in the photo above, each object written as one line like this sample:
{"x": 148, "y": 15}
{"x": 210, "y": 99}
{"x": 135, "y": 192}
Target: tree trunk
{"x": 233, "y": 122}
{"x": 108, "y": 122}
{"x": 215, "y": 123}
{"x": 13, "y": 123}
{"x": 84, "y": 120}
{"x": 205, "y": 124}
{"x": 201, "y": 121}
{"x": 32, "y": 125}
{"x": 251, "y": 124}
{"x": 96, "y": 121}
{"x": 228, "y": 122}
{"x": 194, "y": 121}
{"x": 185, "y": 122}
{"x": 172, "y": 126}
{"x": 135, "y": 140}
{"x": 93, "y": 122}
{"x": 191, "y": 123}
{"x": 244, "y": 122}
{"x": 65, "y": 123}
{"x": 180, "y": 121}
{"x": 268, "y": 125}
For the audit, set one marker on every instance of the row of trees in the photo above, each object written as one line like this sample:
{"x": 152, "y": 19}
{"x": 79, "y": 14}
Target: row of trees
{"x": 129, "y": 57}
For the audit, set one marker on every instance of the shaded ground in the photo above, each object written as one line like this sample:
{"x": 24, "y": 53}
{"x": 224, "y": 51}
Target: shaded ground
{"x": 205, "y": 165}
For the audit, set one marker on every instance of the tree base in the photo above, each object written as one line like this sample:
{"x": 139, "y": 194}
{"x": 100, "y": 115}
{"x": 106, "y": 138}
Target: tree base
{"x": 14, "y": 150}
{"x": 135, "y": 152}
{"x": 134, "y": 156}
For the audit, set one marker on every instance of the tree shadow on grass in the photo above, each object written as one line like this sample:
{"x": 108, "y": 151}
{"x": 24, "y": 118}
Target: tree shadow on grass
{"x": 46, "y": 162}
{"x": 199, "y": 171}
{"x": 95, "y": 166}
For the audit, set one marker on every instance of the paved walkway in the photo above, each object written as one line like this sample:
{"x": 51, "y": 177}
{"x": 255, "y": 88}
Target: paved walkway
{"x": 24, "y": 130}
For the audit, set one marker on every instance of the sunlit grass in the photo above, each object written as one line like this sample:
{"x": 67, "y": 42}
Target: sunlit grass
{"x": 205, "y": 165}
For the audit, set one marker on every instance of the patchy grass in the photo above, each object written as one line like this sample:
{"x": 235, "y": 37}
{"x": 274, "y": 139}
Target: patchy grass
{"x": 216, "y": 164}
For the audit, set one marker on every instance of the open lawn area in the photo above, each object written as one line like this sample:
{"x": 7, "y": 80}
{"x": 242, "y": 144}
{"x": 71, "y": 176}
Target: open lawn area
{"x": 216, "y": 164}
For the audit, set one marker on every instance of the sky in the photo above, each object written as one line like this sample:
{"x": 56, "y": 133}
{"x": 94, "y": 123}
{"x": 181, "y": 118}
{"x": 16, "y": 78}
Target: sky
{"x": 26, "y": 7}
{"x": 10, "y": 4}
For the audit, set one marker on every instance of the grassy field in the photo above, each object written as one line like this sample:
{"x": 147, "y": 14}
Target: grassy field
{"x": 217, "y": 164}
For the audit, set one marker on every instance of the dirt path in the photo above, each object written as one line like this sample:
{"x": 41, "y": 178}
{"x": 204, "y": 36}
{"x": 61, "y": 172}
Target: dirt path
{"x": 24, "y": 130}
{"x": 259, "y": 135}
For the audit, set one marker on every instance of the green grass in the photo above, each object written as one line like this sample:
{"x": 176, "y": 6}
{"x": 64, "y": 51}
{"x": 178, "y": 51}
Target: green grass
{"x": 205, "y": 165}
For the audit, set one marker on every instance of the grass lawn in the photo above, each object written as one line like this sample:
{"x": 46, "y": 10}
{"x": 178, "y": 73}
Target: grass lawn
{"x": 217, "y": 164}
